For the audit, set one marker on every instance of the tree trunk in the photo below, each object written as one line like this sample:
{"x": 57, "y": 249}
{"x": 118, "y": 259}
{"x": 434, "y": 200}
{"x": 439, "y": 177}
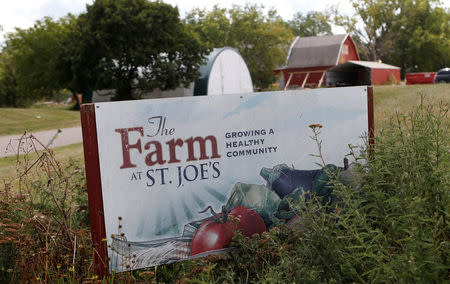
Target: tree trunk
{"x": 373, "y": 49}
{"x": 77, "y": 101}
{"x": 123, "y": 91}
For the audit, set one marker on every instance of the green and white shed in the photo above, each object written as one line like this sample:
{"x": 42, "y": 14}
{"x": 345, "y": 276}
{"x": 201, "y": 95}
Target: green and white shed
{"x": 224, "y": 73}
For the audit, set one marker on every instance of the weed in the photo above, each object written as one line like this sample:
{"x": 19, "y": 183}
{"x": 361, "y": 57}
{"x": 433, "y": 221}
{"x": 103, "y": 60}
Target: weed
{"x": 44, "y": 231}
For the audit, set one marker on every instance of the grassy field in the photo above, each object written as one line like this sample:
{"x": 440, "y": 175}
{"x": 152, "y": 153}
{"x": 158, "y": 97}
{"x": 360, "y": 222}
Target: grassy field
{"x": 17, "y": 120}
{"x": 388, "y": 100}
{"x": 64, "y": 154}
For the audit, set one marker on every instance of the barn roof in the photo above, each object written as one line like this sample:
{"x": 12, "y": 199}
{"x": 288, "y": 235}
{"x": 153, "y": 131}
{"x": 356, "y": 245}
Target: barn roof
{"x": 315, "y": 51}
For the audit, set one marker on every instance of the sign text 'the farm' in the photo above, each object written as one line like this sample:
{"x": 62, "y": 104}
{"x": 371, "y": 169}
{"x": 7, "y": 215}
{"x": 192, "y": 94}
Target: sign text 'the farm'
{"x": 157, "y": 156}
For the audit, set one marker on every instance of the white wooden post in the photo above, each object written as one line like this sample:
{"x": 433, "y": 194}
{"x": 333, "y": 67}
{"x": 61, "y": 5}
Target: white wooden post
{"x": 289, "y": 81}
{"x": 321, "y": 79}
{"x": 304, "y": 81}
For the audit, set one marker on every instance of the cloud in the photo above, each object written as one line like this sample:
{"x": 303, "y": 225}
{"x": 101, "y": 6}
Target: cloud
{"x": 24, "y": 13}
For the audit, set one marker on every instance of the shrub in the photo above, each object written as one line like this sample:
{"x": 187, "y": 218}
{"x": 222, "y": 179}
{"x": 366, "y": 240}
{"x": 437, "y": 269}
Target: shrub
{"x": 392, "y": 80}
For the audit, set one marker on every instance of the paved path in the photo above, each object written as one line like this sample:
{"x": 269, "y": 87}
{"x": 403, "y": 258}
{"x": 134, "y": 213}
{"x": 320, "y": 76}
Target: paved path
{"x": 10, "y": 144}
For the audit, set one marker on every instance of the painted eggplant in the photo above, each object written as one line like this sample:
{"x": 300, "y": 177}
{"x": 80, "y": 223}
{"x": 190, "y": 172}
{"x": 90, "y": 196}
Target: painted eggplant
{"x": 284, "y": 180}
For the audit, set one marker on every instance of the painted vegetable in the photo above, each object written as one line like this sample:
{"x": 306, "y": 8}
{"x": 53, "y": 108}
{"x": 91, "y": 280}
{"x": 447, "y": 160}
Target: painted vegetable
{"x": 256, "y": 197}
{"x": 218, "y": 232}
{"x": 284, "y": 180}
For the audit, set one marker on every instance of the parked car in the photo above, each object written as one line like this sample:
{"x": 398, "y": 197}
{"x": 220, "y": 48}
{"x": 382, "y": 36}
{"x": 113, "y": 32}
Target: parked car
{"x": 442, "y": 76}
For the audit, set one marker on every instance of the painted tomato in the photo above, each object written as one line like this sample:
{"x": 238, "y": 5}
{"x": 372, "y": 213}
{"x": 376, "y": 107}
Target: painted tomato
{"x": 217, "y": 233}
{"x": 211, "y": 235}
{"x": 248, "y": 221}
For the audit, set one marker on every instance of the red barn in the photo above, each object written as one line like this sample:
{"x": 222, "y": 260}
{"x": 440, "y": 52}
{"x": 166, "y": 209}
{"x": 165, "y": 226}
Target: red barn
{"x": 310, "y": 57}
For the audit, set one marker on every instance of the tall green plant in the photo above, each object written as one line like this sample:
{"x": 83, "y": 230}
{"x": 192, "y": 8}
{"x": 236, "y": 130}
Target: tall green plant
{"x": 390, "y": 224}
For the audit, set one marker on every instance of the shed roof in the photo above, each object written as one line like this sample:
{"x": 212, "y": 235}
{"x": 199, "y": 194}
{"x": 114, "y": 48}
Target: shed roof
{"x": 368, "y": 64}
{"x": 374, "y": 64}
{"x": 201, "y": 84}
{"x": 315, "y": 51}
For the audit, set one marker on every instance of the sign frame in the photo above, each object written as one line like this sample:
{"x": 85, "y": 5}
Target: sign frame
{"x": 94, "y": 188}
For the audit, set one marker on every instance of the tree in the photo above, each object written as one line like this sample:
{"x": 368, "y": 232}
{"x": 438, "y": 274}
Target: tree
{"x": 129, "y": 44}
{"x": 8, "y": 83}
{"x": 423, "y": 41}
{"x": 30, "y": 61}
{"x": 377, "y": 17}
{"x": 312, "y": 24}
{"x": 263, "y": 39}
{"x": 412, "y": 34}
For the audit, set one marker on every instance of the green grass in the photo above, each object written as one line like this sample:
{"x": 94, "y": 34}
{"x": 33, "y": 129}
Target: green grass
{"x": 63, "y": 154}
{"x": 17, "y": 120}
{"x": 390, "y": 99}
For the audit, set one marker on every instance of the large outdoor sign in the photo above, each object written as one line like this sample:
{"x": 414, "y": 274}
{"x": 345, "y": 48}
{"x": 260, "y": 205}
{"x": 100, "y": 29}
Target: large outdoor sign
{"x": 167, "y": 177}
